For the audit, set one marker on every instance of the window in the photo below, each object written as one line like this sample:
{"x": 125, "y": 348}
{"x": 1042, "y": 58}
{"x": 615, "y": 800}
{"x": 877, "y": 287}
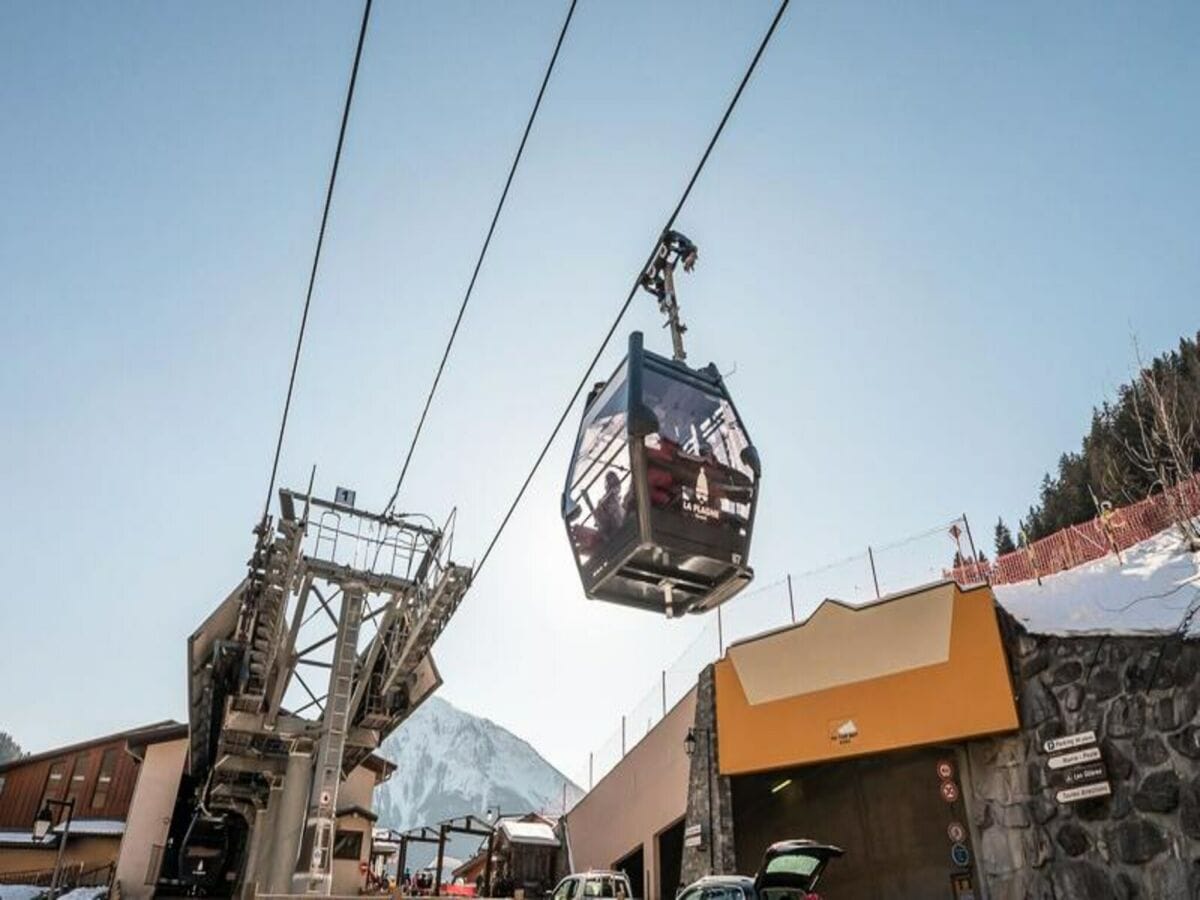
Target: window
{"x": 108, "y": 763}
{"x": 347, "y": 845}
{"x": 792, "y": 864}
{"x": 724, "y": 892}
{"x": 600, "y": 887}
{"x": 78, "y": 777}
{"x": 1, "y": 784}
{"x": 55, "y": 782}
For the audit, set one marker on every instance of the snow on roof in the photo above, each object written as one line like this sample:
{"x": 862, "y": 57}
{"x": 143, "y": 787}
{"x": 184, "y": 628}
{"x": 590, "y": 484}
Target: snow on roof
{"x": 1148, "y": 593}
{"x": 24, "y": 836}
{"x": 529, "y": 833}
{"x": 102, "y": 827}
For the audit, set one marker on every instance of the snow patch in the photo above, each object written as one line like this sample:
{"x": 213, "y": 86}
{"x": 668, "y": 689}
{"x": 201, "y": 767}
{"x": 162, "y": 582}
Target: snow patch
{"x": 1149, "y": 593}
{"x": 21, "y": 892}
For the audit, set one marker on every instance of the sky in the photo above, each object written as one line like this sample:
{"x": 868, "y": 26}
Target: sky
{"x": 927, "y": 241}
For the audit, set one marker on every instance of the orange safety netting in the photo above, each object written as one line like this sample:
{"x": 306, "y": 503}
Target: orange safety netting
{"x": 1110, "y": 532}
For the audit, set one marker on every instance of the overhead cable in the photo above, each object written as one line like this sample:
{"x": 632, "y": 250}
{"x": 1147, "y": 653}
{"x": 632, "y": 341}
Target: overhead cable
{"x": 462, "y": 308}
{"x": 634, "y": 289}
{"x": 312, "y": 275}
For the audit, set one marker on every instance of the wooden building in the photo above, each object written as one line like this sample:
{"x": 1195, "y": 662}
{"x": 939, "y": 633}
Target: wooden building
{"x": 99, "y": 775}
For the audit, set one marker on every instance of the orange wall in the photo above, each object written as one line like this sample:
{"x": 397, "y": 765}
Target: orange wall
{"x": 969, "y": 695}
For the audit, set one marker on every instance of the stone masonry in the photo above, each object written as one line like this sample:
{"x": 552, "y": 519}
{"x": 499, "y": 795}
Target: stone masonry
{"x": 705, "y": 782}
{"x": 1140, "y": 696}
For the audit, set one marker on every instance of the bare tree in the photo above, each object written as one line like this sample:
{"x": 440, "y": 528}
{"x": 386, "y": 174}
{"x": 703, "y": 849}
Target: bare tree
{"x": 1165, "y": 446}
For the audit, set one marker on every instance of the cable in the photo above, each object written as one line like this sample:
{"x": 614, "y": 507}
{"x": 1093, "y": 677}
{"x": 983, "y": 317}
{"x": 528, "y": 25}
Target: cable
{"x": 636, "y": 283}
{"x": 482, "y": 253}
{"x": 312, "y": 277}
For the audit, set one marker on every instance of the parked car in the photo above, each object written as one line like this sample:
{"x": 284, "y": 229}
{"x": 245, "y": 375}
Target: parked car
{"x": 790, "y": 870}
{"x": 592, "y": 885}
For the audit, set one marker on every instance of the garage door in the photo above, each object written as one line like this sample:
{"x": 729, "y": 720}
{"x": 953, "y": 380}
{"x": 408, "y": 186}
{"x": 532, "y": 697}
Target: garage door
{"x": 901, "y": 827}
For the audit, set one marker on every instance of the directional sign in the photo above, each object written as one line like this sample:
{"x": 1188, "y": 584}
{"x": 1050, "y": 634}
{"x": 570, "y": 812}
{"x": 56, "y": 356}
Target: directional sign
{"x": 1078, "y": 775}
{"x": 1086, "y": 755}
{"x": 1083, "y": 792}
{"x": 1069, "y": 742}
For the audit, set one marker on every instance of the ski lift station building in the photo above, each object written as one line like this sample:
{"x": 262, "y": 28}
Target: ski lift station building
{"x": 950, "y": 750}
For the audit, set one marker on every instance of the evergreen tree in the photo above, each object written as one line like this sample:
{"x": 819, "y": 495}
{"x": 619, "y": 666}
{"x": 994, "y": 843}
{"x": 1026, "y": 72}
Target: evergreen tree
{"x": 9, "y": 748}
{"x": 1116, "y": 460}
{"x": 1004, "y": 539}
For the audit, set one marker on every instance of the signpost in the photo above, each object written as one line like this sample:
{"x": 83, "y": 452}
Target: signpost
{"x": 1087, "y": 755}
{"x": 1077, "y": 769}
{"x": 1069, "y": 742}
{"x": 1083, "y": 792}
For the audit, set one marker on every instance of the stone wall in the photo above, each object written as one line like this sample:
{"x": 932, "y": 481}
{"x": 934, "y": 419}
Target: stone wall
{"x": 710, "y": 799}
{"x": 1140, "y": 695}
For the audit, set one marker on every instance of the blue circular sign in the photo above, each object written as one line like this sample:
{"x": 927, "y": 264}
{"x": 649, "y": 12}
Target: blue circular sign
{"x": 960, "y": 855}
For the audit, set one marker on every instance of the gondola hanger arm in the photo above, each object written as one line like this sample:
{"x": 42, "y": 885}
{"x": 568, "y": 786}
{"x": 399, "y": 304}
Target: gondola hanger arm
{"x": 659, "y": 280}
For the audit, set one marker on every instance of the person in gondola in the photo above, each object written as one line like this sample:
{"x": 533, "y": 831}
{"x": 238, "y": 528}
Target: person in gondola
{"x": 610, "y": 512}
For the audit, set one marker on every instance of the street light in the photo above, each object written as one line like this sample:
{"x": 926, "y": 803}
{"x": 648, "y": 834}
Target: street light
{"x": 689, "y": 742}
{"x": 41, "y": 827}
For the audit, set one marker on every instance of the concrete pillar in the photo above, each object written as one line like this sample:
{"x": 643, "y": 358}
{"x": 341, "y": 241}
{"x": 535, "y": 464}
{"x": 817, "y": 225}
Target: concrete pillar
{"x": 262, "y": 841}
{"x": 290, "y": 822}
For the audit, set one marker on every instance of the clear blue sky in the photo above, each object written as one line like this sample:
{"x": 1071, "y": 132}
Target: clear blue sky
{"x": 926, "y": 241}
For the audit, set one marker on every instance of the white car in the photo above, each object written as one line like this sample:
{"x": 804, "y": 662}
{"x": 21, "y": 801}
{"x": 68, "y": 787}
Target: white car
{"x": 592, "y": 886}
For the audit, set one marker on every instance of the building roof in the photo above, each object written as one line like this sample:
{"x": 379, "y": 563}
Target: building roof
{"x": 537, "y": 833}
{"x": 93, "y": 827}
{"x": 167, "y": 729}
{"x": 357, "y": 810}
{"x": 23, "y": 837}
{"x": 382, "y": 768}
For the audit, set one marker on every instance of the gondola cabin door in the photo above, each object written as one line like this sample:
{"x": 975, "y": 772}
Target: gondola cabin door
{"x": 660, "y": 496}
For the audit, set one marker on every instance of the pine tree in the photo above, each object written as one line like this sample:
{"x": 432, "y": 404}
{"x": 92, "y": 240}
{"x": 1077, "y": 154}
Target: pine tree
{"x": 1004, "y": 539}
{"x": 1115, "y": 462}
{"x": 9, "y": 748}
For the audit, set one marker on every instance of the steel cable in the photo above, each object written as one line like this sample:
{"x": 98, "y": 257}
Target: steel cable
{"x": 634, "y": 289}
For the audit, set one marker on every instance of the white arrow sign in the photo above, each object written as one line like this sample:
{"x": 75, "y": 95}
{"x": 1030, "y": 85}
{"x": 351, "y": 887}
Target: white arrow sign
{"x": 1089, "y": 754}
{"x": 1069, "y": 741}
{"x": 1070, "y": 795}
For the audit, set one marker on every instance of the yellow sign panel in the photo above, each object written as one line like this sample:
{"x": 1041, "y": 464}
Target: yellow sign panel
{"x": 778, "y": 705}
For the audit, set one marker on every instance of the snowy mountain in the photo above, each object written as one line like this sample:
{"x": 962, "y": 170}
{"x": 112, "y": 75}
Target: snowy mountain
{"x": 451, "y": 763}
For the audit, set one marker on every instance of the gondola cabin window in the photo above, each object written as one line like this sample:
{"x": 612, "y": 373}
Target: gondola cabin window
{"x": 660, "y": 495}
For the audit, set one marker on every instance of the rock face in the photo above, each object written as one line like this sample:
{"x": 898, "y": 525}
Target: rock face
{"x": 1140, "y": 696}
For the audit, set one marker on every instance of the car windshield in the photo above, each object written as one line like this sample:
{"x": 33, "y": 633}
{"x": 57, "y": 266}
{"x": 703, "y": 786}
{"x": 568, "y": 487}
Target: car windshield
{"x": 600, "y": 887}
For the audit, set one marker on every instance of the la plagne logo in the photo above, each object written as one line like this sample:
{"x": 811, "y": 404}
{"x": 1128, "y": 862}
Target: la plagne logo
{"x": 698, "y": 505}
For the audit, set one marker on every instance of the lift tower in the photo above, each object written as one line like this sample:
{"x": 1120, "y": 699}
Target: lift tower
{"x": 358, "y": 596}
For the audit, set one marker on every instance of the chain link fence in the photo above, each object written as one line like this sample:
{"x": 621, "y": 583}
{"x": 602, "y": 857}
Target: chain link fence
{"x": 918, "y": 559}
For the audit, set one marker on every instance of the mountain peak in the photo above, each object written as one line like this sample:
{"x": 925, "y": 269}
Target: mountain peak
{"x": 452, "y": 763}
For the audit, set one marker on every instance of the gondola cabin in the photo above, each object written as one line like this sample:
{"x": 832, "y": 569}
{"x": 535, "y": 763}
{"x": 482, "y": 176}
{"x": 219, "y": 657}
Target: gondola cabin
{"x": 660, "y": 497}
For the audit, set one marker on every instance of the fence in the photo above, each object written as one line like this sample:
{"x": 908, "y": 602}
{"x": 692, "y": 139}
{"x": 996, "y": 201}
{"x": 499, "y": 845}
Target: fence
{"x": 1110, "y": 532}
{"x": 73, "y": 875}
{"x": 918, "y": 559}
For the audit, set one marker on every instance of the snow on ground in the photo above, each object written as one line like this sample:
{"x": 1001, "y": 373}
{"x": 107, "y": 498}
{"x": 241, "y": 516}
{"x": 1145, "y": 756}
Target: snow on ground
{"x": 85, "y": 893}
{"x": 1150, "y": 593}
{"x": 21, "y": 891}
